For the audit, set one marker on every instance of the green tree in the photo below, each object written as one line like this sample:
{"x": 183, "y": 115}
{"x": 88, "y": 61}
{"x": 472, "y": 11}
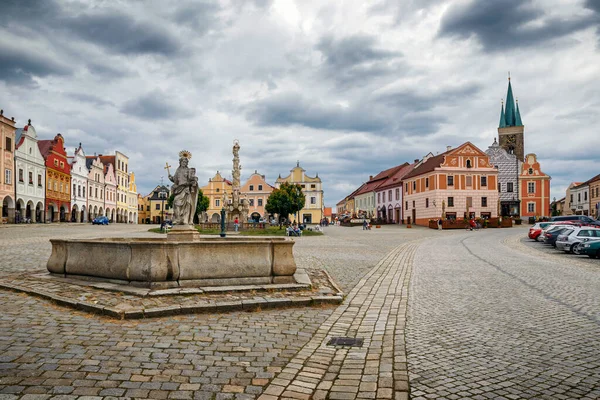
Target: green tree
{"x": 286, "y": 200}
{"x": 201, "y": 205}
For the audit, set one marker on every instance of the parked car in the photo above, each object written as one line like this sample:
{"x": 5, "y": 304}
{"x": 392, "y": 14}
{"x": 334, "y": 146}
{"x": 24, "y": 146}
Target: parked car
{"x": 536, "y": 230}
{"x": 100, "y": 221}
{"x": 551, "y": 235}
{"x": 583, "y": 219}
{"x": 568, "y": 240}
{"x": 591, "y": 249}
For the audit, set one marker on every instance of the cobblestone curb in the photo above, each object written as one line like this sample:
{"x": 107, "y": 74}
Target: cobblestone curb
{"x": 179, "y": 304}
{"x": 375, "y": 311}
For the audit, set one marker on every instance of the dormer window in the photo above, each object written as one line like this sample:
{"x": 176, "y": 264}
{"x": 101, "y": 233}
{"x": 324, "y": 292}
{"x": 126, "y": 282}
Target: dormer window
{"x": 530, "y": 171}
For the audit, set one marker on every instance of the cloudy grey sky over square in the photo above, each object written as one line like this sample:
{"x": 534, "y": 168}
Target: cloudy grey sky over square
{"x": 347, "y": 88}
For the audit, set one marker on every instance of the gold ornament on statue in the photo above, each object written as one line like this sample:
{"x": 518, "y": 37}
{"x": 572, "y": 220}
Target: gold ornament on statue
{"x": 185, "y": 154}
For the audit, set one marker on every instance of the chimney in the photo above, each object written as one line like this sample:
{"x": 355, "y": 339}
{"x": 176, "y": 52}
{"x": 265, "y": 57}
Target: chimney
{"x": 416, "y": 160}
{"x": 370, "y": 177}
{"x": 448, "y": 148}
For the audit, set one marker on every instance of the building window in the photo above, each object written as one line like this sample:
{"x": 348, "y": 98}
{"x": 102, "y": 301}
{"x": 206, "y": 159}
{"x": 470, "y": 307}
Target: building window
{"x": 584, "y": 196}
{"x": 251, "y": 202}
{"x": 8, "y": 176}
{"x": 217, "y": 202}
{"x": 313, "y": 186}
{"x": 509, "y": 187}
{"x": 406, "y": 205}
{"x": 8, "y": 144}
{"x": 499, "y": 187}
{"x": 450, "y": 201}
{"x": 217, "y": 190}
{"x": 484, "y": 181}
{"x": 260, "y": 187}
{"x": 251, "y": 188}
{"x": 389, "y": 195}
{"x": 313, "y": 200}
{"x": 413, "y": 204}
{"x": 56, "y": 163}
{"x": 406, "y": 188}
{"x": 427, "y": 203}
{"x": 571, "y": 197}
{"x": 157, "y": 206}
{"x": 20, "y": 175}
{"x": 62, "y": 164}
{"x": 83, "y": 192}
{"x": 40, "y": 180}
{"x": 260, "y": 202}
{"x": 382, "y": 196}
{"x": 469, "y": 181}
{"x": 96, "y": 194}
{"x": 74, "y": 189}
{"x": 530, "y": 187}
{"x": 469, "y": 164}
{"x": 484, "y": 202}
{"x": 101, "y": 194}
{"x": 414, "y": 185}
{"x": 79, "y": 191}
{"x": 30, "y": 178}
{"x": 397, "y": 194}
{"x": 378, "y": 197}
{"x": 469, "y": 202}
{"x": 578, "y": 197}
{"x": 450, "y": 180}
{"x": 531, "y": 207}
{"x": 147, "y": 208}
{"x": 426, "y": 182}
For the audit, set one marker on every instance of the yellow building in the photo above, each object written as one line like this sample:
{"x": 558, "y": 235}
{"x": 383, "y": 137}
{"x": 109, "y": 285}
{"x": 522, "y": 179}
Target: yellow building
{"x": 312, "y": 213}
{"x": 143, "y": 209}
{"x": 156, "y": 205}
{"x": 216, "y": 188}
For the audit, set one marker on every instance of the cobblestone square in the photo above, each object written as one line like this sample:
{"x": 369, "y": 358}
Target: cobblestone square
{"x": 447, "y": 315}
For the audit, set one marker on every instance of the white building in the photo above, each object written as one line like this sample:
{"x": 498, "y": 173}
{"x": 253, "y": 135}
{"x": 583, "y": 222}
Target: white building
{"x": 132, "y": 200}
{"x": 79, "y": 180}
{"x": 95, "y": 194}
{"x": 580, "y": 203}
{"x": 31, "y": 175}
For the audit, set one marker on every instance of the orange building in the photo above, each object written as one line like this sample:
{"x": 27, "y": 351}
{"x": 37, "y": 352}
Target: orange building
{"x": 257, "y": 191}
{"x": 58, "y": 179}
{"x": 460, "y": 183}
{"x": 534, "y": 189}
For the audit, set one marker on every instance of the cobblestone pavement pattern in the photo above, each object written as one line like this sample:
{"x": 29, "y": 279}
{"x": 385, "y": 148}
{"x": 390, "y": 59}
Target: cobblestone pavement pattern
{"x": 55, "y": 352}
{"x": 486, "y": 321}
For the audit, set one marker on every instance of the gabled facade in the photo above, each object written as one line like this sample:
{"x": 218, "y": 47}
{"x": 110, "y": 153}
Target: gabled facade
{"x": 58, "y": 179}
{"x": 109, "y": 203}
{"x": 132, "y": 200}
{"x": 365, "y": 200}
{"x": 534, "y": 189}
{"x": 257, "y": 191}
{"x": 460, "y": 183}
{"x": 31, "y": 175}
{"x": 7, "y": 180}
{"x": 143, "y": 210}
{"x": 389, "y": 195}
{"x": 79, "y": 178}
{"x": 312, "y": 188}
{"x": 157, "y": 208}
{"x": 120, "y": 167}
{"x": 582, "y": 197}
{"x": 95, "y": 192}
{"x": 215, "y": 190}
{"x": 509, "y": 168}
{"x": 570, "y": 199}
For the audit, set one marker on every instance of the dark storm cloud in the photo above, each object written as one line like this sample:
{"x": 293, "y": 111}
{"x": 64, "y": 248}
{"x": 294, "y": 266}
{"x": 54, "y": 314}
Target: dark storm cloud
{"x": 18, "y": 66}
{"x": 153, "y": 106}
{"x": 506, "y": 24}
{"x": 121, "y": 33}
{"x": 199, "y": 16}
{"x": 293, "y": 109}
{"x": 356, "y": 59}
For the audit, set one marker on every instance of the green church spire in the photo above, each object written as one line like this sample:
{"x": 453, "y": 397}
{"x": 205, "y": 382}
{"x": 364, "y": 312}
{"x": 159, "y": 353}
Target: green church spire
{"x": 502, "y": 117}
{"x": 518, "y": 121}
{"x": 509, "y": 112}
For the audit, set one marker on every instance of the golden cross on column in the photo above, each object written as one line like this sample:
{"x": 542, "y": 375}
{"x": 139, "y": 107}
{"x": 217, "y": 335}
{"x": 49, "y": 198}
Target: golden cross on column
{"x": 167, "y": 166}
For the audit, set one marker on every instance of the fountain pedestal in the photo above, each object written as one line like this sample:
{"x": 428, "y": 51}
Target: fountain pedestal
{"x": 184, "y": 233}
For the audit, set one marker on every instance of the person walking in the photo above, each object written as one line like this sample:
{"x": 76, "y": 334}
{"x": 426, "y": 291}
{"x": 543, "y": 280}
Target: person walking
{"x": 365, "y": 225}
{"x": 236, "y": 224}
{"x": 440, "y": 224}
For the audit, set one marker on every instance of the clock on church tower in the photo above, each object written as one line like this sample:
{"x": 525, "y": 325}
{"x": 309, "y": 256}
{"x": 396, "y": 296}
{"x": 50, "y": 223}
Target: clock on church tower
{"x": 511, "y": 129}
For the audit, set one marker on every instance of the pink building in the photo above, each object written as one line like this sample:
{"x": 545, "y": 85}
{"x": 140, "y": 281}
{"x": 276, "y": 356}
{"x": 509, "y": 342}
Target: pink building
{"x": 257, "y": 191}
{"x": 388, "y": 196}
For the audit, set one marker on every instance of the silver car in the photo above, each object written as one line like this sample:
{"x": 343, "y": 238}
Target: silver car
{"x": 568, "y": 240}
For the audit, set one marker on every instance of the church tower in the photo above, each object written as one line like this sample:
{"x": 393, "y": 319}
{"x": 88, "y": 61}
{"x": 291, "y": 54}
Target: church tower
{"x": 511, "y": 129}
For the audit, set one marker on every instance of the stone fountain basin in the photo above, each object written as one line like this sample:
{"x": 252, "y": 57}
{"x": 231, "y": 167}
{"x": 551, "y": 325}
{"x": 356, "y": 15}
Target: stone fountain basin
{"x": 158, "y": 262}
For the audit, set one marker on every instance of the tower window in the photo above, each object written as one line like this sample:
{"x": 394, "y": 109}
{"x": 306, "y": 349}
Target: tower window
{"x": 469, "y": 164}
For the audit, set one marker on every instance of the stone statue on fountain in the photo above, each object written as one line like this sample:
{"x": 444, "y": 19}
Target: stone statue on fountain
{"x": 185, "y": 191}
{"x": 237, "y": 206}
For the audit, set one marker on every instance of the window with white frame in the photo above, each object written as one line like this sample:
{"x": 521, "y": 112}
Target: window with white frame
{"x": 313, "y": 200}
{"x": 260, "y": 202}
{"x": 217, "y": 202}
{"x": 531, "y": 207}
{"x": 8, "y": 176}
{"x": 398, "y": 194}
{"x": 530, "y": 187}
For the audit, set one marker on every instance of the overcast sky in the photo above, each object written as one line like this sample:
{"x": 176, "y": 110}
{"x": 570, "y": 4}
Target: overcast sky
{"x": 348, "y": 88}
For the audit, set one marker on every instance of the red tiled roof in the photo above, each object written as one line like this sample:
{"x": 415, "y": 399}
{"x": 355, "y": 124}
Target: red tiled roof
{"x": 396, "y": 179}
{"x": 45, "y": 146}
{"x": 379, "y": 179}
